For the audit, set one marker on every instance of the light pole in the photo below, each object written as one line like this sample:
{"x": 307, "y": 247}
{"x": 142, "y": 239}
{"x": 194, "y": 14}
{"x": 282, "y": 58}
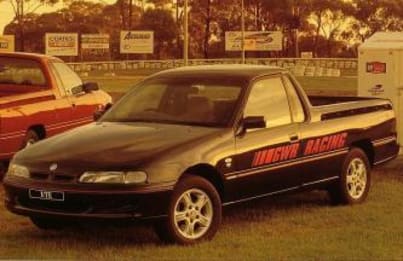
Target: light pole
{"x": 185, "y": 34}
{"x": 243, "y": 30}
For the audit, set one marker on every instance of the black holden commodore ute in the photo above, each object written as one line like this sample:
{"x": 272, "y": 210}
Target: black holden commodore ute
{"x": 183, "y": 143}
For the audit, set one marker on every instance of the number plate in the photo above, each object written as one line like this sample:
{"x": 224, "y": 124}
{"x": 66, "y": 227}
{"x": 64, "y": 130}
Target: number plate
{"x": 46, "y": 195}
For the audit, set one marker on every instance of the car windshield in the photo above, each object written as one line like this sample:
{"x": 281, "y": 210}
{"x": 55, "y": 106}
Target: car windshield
{"x": 189, "y": 101}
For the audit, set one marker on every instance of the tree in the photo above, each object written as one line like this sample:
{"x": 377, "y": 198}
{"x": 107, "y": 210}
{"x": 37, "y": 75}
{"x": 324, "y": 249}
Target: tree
{"x": 377, "y": 15}
{"x": 328, "y": 16}
{"x": 163, "y": 24}
{"x": 21, "y": 8}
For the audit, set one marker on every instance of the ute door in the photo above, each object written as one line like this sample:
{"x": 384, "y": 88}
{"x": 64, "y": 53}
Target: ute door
{"x": 83, "y": 105}
{"x": 265, "y": 156}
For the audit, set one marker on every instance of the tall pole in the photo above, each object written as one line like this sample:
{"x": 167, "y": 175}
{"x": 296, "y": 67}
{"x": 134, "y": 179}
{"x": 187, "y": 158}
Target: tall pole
{"x": 186, "y": 34}
{"x": 243, "y": 30}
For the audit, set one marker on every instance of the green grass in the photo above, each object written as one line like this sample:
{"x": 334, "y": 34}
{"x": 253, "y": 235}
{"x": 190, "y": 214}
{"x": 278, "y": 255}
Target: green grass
{"x": 329, "y": 86}
{"x": 343, "y": 86}
{"x": 301, "y": 226}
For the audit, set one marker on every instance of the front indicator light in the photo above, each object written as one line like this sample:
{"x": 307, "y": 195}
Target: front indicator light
{"x": 114, "y": 177}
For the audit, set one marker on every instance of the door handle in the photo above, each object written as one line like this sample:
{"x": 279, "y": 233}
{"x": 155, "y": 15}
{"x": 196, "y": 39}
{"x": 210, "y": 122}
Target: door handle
{"x": 294, "y": 138}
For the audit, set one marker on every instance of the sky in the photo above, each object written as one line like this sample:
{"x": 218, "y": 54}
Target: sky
{"x": 7, "y": 13}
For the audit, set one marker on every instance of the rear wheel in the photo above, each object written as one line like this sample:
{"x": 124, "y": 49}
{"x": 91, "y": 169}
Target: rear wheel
{"x": 30, "y": 138}
{"x": 48, "y": 223}
{"x": 194, "y": 212}
{"x": 355, "y": 179}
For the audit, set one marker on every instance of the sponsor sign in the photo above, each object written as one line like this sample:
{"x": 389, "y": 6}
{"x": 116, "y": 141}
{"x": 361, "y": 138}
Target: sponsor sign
{"x": 95, "y": 41}
{"x": 376, "y": 90}
{"x": 254, "y": 41}
{"x": 61, "y": 44}
{"x": 306, "y": 55}
{"x": 136, "y": 42}
{"x": 376, "y": 67}
{"x": 7, "y": 43}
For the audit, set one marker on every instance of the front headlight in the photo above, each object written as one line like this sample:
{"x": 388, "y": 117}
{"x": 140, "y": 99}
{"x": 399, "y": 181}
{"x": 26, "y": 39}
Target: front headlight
{"x": 114, "y": 177}
{"x": 17, "y": 171}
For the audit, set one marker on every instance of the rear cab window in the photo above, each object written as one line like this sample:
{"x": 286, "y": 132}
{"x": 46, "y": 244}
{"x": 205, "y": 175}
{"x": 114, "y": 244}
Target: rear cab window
{"x": 297, "y": 110}
{"x": 21, "y": 75}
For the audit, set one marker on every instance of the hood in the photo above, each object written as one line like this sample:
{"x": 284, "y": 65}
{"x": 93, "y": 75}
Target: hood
{"x": 109, "y": 146}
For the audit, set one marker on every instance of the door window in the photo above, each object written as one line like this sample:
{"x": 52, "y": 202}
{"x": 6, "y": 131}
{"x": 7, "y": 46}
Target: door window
{"x": 72, "y": 84}
{"x": 268, "y": 98}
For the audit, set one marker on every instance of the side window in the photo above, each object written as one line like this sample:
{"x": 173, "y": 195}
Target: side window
{"x": 268, "y": 98}
{"x": 297, "y": 110}
{"x": 68, "y": 78}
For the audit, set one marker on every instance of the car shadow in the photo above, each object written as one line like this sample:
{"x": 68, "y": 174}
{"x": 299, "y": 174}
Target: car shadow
{"x": 259, "y": 209}
{"x": 124, "y": 234}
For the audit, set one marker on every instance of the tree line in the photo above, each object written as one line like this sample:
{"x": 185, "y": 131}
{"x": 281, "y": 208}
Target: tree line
{"x": 327, "y": 28}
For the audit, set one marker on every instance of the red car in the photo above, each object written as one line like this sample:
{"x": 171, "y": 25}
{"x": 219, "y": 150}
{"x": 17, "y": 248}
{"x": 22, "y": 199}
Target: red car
{"x": 41, "y": 96}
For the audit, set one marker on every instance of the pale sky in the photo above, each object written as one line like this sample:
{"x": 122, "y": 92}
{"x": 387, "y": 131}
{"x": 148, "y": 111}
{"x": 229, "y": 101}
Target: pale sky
{"x": 7, "y": 13}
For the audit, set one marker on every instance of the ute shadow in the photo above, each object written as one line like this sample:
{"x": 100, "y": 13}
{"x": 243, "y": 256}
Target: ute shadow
{"x": 99, "y": 234}
{"x": 259, "y": 209}
{"x": 128, "y": 234}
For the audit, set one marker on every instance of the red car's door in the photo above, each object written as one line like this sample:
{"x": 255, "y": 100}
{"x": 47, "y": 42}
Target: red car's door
{"x": 83, "y": 105}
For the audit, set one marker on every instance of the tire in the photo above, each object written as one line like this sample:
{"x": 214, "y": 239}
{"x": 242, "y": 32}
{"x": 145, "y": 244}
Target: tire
{"x": 30, "y": 138}
{"x": 48, "y": 223}
{"x": 194, "y": 213}
{"x": 355, "y": 179}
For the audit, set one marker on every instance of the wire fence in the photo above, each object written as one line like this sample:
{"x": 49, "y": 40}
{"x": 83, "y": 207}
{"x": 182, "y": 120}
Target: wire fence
{"x": 299, "y": 66}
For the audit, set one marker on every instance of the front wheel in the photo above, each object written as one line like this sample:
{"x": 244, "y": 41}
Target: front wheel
{"x": 194, "y": 212}
{"x": 355, "y": 179}
{"x": 30, "y": 138}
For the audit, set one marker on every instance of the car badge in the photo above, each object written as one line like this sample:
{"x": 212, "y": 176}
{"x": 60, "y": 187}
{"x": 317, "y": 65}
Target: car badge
{"x": 53, "y": 167}
{"x": 228, "y": 162}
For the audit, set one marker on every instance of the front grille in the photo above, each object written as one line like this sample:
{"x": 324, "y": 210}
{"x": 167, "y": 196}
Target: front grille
{"x": 70, "y": 206}
{"x": 62, "y": 178}
{"x": 83, "y": 204}
{"x": 39, "y": 176}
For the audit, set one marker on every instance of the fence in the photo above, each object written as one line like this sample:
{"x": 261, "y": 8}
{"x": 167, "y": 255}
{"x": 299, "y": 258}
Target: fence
{"x": 308, "y": 67}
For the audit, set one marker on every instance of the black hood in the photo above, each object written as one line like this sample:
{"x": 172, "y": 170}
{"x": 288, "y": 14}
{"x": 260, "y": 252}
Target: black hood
{"x": 109, "y": 145}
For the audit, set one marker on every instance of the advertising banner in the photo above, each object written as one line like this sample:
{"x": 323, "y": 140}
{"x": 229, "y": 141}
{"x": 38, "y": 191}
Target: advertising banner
{"x": 254, "y": 41}
{"x": 136, "y": 42}
{"x": 95, "y": 46}
{"x": 7, "y": 43}
{"x": 95, "y": 41}
{"x": 61, "y": 44}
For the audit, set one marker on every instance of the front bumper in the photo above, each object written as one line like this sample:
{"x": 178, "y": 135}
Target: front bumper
{"x": 97, "y": 204}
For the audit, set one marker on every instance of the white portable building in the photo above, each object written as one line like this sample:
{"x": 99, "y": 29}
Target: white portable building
{"x": 380, "y": 71}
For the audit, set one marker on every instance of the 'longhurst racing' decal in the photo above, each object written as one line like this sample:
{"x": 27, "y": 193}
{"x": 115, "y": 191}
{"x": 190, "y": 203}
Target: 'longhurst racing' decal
{"x": 289, "y": 152}
{"x": 324, "y": 144}
{"x": 274, "y": 155}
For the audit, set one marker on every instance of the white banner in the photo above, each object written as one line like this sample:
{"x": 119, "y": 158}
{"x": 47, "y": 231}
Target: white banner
{"x": 95, "y": 41}
{"x": 254, "y": 41}
{"x": 7, "y": 43}
{"x": 136, "y": 42}
{"x": 61, "y": 44}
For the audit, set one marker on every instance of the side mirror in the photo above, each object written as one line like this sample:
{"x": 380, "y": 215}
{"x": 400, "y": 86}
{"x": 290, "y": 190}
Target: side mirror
{"x": 90, "y": 86}
{"x": 98, "y": 114}
{"x": 254, "y": 122}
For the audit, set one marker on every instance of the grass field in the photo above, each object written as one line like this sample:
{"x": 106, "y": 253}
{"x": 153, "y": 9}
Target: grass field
{"x": 342, "y": 86}
{"x": 297, "y": 227}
